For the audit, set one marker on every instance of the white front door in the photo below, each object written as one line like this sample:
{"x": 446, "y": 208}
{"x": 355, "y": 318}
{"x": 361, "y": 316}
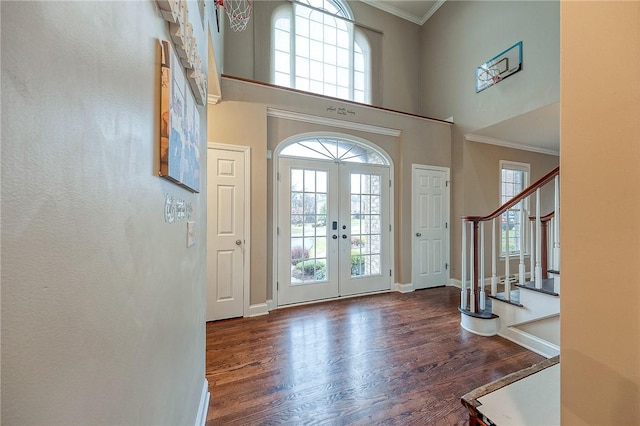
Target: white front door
{"x": 333, "y": 232}
{"x": 430, "y": 205}
{"x": 226, "y": 239}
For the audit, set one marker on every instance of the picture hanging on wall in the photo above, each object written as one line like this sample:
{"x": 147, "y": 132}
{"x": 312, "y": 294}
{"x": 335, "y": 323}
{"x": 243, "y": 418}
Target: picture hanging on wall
{"x": 180, "y": 125}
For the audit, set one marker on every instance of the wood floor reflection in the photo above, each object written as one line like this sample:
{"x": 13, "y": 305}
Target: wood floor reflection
{"x": 381, "y": 359}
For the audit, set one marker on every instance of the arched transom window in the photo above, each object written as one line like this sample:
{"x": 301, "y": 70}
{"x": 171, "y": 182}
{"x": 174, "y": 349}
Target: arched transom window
{"x": 334, "y": 149}
{"x": 317, "y": 48}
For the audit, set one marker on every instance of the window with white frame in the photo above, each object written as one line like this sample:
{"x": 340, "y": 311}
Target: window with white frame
{"x": 317, "y": 48}
{"x": 514, "y": 177}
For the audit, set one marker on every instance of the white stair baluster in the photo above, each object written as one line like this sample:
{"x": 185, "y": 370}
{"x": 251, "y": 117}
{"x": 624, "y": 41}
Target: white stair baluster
{"x": 481, "y": 249}
{"x": 507, "y": 258}
{"x": 556, "y": 224}
{"x": 532, "y": 250}
{"x": 494, "y": 259}
{"x": 521, "y": 228}
{"x": 538, "y": 280}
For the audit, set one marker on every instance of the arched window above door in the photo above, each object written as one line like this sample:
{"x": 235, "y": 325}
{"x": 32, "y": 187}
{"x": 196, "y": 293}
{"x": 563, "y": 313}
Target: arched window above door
{"x": 335, "y": 149}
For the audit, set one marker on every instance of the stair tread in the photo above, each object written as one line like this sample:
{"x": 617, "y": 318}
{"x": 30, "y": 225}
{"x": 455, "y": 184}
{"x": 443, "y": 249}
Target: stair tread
{"x": 485, "y": 314}
{"x": 547, "y": 287}
{"x": 514, "y": 297}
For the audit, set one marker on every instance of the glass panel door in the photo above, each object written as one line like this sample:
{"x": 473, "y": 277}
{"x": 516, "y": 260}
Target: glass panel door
{"x": 364, "y": 254}
{"x": 308, "y": 247}
{"x": 333, "y": 230}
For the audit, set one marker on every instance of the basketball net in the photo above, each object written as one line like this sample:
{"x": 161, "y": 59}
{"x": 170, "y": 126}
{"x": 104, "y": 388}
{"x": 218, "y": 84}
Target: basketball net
{"x": 238, "y": 11}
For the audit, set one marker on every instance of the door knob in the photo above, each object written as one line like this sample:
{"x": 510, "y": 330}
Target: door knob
{"x": 344, "y": 236}
{"x": 238, "y": 242}
{"x": 418, "y": 234}
{"x": 335, "y": 237}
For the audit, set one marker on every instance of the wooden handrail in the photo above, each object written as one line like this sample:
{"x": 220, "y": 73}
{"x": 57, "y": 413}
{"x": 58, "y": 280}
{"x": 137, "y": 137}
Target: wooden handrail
{"x": 545, "y": 218}
{"x": 515, "y": 200}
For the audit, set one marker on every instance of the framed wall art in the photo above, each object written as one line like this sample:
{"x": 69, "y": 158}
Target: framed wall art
{"x": 180, "y": 125}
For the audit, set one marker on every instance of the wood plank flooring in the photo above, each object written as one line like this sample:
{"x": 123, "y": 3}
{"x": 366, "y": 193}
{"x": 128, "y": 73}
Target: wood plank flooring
{"x": 396, "y": 359}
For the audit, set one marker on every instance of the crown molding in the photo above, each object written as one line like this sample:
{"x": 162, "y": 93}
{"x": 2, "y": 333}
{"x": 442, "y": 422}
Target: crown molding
{"x": 386, "y": 7}
{"x": 509, "y": 144}
{"x": 401, "y": 13}
{"x": 431, "y": 11}
{"x": 324, "y": 121}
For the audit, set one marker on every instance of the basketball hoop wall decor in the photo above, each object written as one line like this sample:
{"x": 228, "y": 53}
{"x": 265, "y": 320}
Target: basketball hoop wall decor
{"x": 499, "y": 67}
{"x": 238, "y": 11}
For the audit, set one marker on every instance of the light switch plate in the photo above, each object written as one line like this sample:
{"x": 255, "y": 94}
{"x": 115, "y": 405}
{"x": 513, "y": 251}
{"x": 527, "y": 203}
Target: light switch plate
{"x": 191, "y": 234}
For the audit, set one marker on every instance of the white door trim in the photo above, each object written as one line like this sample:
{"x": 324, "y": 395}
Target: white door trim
{"x": 447, "y": 170}
{"x": 246, "y": 150}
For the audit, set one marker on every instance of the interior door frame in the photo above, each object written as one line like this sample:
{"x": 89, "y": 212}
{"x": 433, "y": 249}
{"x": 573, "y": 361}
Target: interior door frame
{"x": 447, "y": 170}
{"x": 276, "y": 193}
{"x": 246, "y": 273}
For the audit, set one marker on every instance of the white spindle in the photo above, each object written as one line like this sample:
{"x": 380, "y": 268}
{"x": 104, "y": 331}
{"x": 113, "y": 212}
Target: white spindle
{"x": 538, "y": 280}
{"x": 472, "y": 293}
{"x": 463, "y": 285}
{"x": 556, "y": 224}
{"x": 507, "y": 258}
{"x": 481, "y": 249}
{"x": 522, "y": 227}
{"x": 494, "y": 259}
{"x": 532, "y": 251}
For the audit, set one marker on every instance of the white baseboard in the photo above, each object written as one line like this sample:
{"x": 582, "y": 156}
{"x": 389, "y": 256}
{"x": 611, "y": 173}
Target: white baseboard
{"x": 531, "y": 342}
{"x": 404, "y": 288}
{"x": 455, "y": 283}
{"x": 270, "y": 305}
{"x": 258, "y": 310}
{"x": 203, "y": 408}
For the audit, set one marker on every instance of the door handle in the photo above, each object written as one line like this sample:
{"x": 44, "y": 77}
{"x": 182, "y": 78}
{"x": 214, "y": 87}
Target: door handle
{"x": 344, "y": 236}
{"x": 238, "y": 242}
{"x": 335, "y": 237}
{"x": 418, "y": 234}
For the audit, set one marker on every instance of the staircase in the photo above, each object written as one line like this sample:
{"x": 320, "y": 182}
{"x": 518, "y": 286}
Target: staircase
{"x": 523, "y": 306}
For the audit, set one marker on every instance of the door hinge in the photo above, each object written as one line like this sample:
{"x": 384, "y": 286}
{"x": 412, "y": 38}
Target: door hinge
{"x": 389, "y": 228}
{"x": 277, "y": 230}
{"x": 389, "y": 183}
{"x": 446, "y": 266}
{"x": 389, "y": 272}
{"x": 446, "y": 225}
{"x": 277, "y": 285}
{"x": 278, "y": 176}
{"x": 447, "y": 183}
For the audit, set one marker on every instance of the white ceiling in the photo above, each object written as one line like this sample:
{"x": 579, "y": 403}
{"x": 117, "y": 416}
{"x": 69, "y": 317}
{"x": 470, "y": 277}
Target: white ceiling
{"x": 537, "y": 130}
{"x": 416, "y": 11}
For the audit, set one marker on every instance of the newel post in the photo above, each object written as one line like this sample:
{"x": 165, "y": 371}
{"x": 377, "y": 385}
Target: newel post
{"x": 474, "y": 283}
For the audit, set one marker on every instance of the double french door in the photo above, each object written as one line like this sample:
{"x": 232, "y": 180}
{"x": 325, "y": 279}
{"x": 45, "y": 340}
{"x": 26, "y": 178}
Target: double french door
{"x": 333, "y": 230}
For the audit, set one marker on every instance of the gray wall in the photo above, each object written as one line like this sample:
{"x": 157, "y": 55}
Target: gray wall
{"x": 102, "y": 303}
{"x": 396, "y": 62}
{"x": 462, "y": 35}
{"x": 421, "y": 141}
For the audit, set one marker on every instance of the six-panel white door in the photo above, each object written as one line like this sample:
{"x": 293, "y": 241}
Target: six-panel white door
{"x": 225, "y": 233}
{"x": 430, "y": 205}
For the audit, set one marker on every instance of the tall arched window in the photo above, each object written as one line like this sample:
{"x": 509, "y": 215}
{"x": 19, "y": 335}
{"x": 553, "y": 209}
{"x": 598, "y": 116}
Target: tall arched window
{"x": 317, "y": 48}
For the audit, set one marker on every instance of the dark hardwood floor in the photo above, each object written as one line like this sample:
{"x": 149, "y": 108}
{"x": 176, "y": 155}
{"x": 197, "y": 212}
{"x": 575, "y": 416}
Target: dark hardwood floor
{"x": 392, "y": 358}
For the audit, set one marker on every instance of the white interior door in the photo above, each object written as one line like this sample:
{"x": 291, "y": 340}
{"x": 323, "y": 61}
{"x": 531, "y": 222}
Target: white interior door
{"x": 226, "y": 239}
{"x": 430, "y": 205}
{"x": 333, "y": 233}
